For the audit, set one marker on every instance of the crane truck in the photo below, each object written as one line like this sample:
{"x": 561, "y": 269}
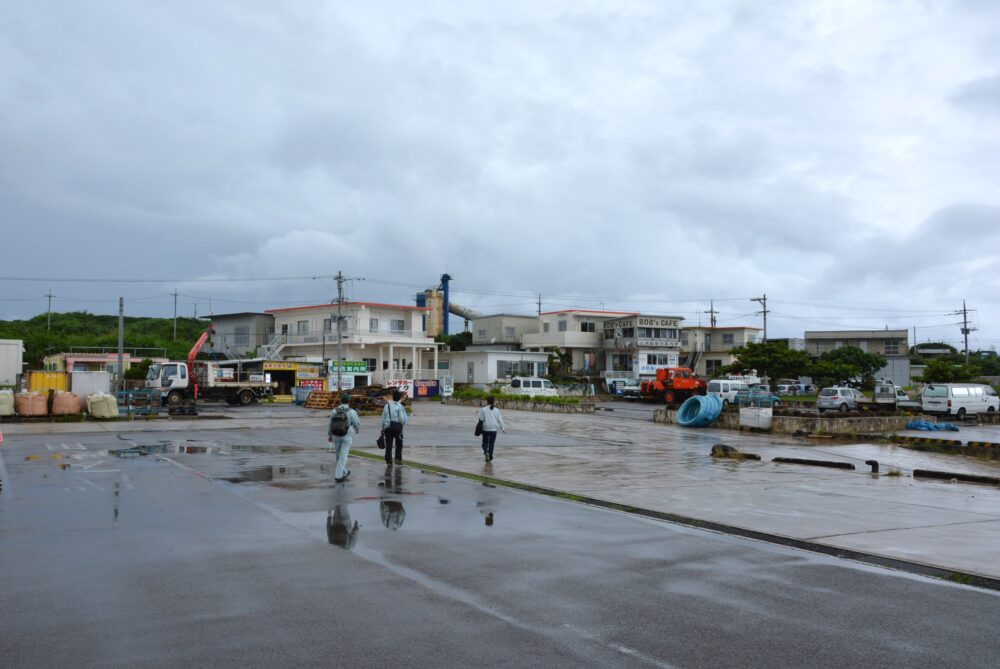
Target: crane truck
{"x": 672, "y": 385}
{"x": 191, "y": 380}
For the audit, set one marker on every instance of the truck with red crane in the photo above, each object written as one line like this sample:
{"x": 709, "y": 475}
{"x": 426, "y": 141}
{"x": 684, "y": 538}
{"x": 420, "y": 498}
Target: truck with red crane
{"x": 191, "y": 380}
{"x": 672, "y": 385}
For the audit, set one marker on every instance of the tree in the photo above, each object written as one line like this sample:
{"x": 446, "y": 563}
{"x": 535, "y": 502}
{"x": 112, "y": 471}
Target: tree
{"x": 456, "y": 342}
{"x": 772, "y": 359}
{"x": 943, "y": 371}
{"x": 138, "y": 371}
{"x": 846, "y": 364}
{"x": 560, "y": 363}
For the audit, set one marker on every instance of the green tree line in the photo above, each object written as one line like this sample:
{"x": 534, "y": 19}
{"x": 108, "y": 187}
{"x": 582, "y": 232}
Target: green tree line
{"x": 80, "y": 328}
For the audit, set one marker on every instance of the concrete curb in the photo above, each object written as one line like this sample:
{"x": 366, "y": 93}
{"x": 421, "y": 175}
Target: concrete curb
{"x": 985, "y": 582}
{"x": 833, "y": 464}
{"x": 929, "y": 441}
{"x": 955, "y": 476}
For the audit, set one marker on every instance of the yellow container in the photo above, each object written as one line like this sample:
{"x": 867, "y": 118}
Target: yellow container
{"x": 43, "y": 382}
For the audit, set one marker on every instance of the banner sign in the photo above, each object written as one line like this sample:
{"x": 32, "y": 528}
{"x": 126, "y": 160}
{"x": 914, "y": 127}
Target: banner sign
{"x": 403, "y": 385}
{"x": 315, "y": 384}
{"x": 349, "y": 366}
{"x": 277, "y": 366}
{"x": 426, "y": 388}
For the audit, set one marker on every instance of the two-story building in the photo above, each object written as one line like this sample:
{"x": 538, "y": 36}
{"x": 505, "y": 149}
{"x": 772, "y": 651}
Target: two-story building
{"x": 388, "y": 340}
{"x": 707, "y": 348}
{"x": 893, "y": 344}
{"x": 503, "y": 330}
{"x": 578, "y": 331}
{"x": 635, "y": 346}
{"x": 241, "y": 334}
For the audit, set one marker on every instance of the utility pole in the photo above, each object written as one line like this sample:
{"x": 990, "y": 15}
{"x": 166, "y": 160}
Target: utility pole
{"x": 48, "y": 320}
{"x": 712, "y": 312}
{"x": 965, "y": 328}
{"x": 763, "y": 303}
{"x": 539, "y": 304}
{"x": 340, "y": 311}
{"x": 121, "y": 344}
{"x": 175, "y": 314}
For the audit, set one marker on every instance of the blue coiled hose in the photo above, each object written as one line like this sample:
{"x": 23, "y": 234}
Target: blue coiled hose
{"x": 699, "y": 411}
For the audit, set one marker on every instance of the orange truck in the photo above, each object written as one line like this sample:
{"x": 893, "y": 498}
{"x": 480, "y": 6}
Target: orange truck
{"x": 672, "y": 385}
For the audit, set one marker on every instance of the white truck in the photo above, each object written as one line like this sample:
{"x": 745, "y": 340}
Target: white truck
{"x": 211, "y": 381}
{"x": 185, "y": 382}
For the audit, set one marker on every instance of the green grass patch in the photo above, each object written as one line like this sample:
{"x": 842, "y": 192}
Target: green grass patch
{"x": 475, "y": 394}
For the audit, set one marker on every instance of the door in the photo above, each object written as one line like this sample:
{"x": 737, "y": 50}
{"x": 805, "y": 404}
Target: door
{"x": 471, "y": 369}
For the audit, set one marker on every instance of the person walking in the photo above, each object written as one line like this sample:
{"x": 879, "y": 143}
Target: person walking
{"x": 342, "y": 420}
{"x": 492, "y": 421}
{"x": 393, "y": 419}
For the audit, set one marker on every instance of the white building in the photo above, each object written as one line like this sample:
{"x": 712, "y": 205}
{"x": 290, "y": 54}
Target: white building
{"x": 635, "y": 346}
{"x": 388, "y": 340}
{"x": 707, "y": 349}
{"x": 579, "y": 331}
{"x": 492, "y": 365}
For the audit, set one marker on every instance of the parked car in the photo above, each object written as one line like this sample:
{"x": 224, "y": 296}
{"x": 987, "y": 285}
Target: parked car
{"x": 788, "y": 389}
{"x": 838, "y": 398}
{"x": 726, "y": 389}
{"x": 759, "y": 395}
{"x": 959, "y": 399}
{"x": 531, "y": 386}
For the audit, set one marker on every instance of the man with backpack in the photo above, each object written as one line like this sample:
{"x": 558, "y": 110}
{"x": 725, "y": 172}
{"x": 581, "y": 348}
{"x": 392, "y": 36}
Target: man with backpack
{"x": 342, "y": 419}
{"x": 393, "y": 419}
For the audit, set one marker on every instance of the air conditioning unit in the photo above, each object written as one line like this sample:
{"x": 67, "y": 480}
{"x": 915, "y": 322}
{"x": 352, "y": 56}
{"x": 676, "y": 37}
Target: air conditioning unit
{"x": 445, "y": 348}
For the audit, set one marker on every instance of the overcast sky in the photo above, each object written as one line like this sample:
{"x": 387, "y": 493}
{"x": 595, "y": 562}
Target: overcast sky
{"x": 841, "y": 157}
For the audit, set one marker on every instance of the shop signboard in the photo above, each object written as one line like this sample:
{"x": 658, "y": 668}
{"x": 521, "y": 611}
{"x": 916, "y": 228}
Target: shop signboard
{"x": 446, "y": 385}
{"x": 280, "y": 366}
{"x": 349, "y": 366}
{"x": 403, "y": 385}
{"x": 315, "y": 384}
{"x": 346, "y": 382}
{"x": 425, "y": 388}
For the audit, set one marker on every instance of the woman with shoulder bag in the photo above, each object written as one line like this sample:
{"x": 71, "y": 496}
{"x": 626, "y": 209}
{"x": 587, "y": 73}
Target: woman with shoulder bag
{"x": 492, "y": 421}
{"x": 393, "y": 419}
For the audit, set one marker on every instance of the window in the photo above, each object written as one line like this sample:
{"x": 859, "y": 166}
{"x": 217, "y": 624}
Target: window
{"x": 481, "y": 334}
{"x": 609, "y": 333}
{"x": 657, "y": 359}
{"x": 684, "y": 337}
{"x": 284, "y": 328}
{"x": 516, "y": 383}
{"x": 371, "y": 363}
{"x": 509, "y": 332}
{"x": 959, "y": 392}
{"x": 302, "y": 327}
{"x": 588, "y": 327}
{"x": 727, "y": 338}
{"x": 621, "y": 362}
{"x": 327, "y": 325}
{"x": 562, "y": 326}
{"x": 396, "y": 326}
{"x": 241, "y": 335}
{"x": 423, "y": 323}
{"x": 628, "y": 333}
{"x": 545, "y": 327}
{"x": 752, "y": 338}
{"x": 712, "y": 366}
{"x": 536, "y": 383}
{"x": 892, "y": 347}
{"x": 373, "y": 325}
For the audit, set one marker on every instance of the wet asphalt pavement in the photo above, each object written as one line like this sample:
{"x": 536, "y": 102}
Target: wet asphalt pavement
{"x": 235, "y": 548}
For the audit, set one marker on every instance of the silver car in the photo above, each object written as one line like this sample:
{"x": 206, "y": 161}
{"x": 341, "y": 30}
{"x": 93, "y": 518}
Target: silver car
{"x": 839, "y": 398}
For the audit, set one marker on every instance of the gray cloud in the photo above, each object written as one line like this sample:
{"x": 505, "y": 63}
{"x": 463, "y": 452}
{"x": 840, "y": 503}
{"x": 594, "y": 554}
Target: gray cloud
{"x": 640, "y": 152}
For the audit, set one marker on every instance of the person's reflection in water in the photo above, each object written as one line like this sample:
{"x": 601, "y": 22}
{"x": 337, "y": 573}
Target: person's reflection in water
{"x": 337, "y": 523}
{"x": 393, "y": 514}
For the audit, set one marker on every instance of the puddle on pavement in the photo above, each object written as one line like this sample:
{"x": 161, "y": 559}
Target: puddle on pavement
{"x": 200, "y": 448}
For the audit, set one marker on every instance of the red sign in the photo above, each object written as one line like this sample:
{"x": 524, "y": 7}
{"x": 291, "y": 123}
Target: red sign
{"x": 315, "y": 384}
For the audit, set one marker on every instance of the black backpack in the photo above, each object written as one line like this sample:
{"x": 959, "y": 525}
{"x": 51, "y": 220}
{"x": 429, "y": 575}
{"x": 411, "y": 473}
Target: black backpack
{"x": 340, "y": 422}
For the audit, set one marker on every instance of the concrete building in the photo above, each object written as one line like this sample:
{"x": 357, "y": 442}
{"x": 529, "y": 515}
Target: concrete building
{"x": 635, "y": 346}
{"x": 893, "y": 344}
{"x": 707, "y": 348}
{"x": 95, "y": 359}
{"x": 241, "y": 334}
{"x": 388, "y": 340}
{"x": 492, "y": 365}
{"x": 503, "y": 330}
{"x": 578, "y": 331}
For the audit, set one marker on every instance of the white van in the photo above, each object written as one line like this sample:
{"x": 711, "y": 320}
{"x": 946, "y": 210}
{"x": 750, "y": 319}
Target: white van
{"x": 959, "y": 399}
{"x": 531, "y": 386}
{"x": 726, "y": 389}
